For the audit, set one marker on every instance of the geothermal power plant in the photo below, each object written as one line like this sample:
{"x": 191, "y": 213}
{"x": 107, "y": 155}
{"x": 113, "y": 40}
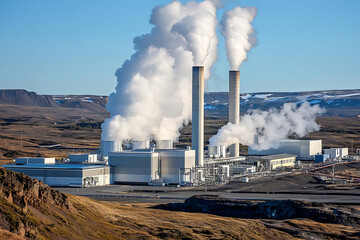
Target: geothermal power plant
{"x": 159, "y": 163}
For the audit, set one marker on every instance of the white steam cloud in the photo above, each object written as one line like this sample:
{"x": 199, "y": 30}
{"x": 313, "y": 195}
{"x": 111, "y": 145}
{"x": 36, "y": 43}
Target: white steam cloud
{"x": 239, "y": 34}
{"x": 262, "y": 130}
{"x": 152, "y": 98}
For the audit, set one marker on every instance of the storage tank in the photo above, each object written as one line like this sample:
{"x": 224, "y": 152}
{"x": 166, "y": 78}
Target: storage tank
{"x": 222, "y": 151}
{"x": 136, "y": 145}
{"x": 213, "y": 150}
{"x": 164, "y": 144}
{"x": 110, "y": 146}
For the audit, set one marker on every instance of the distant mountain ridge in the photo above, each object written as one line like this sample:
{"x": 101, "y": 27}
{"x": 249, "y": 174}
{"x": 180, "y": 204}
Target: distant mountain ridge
{"x": 345, "y": 103}
{"x": 25, "y": 98}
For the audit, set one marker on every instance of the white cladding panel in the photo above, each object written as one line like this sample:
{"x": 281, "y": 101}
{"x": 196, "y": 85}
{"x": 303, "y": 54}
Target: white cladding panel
{"x": 140, "y": 145}
{"x": 110, "y": 146}
{"x": 133, "y": 166}
{"x": 164, "y": 144}
{"x": 344, "y": 152}
{"x": 34, "y": 160}
{"x": 337, "y": 152}
{"x": 56, "y": 176}
{"x": 315, "y": 147}
{"x": 213, "y": 150}
{"x": 301, "y": 148}
{"x": 175, "y": 165}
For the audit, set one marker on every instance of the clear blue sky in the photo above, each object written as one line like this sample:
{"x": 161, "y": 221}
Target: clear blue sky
{"x": 75, "y": 46}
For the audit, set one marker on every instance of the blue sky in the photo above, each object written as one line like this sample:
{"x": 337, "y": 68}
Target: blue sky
{"x": 75, "y": 47}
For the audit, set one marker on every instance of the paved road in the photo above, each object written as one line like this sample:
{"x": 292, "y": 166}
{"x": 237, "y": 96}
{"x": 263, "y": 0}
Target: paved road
{"x": 170, "y": 194}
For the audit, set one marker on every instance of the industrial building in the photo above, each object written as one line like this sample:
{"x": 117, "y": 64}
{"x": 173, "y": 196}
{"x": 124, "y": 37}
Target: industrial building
{"x": 321, "y": 158}
{"x": 65, "y": 175}
{"x": 303, "y": 149}
{"x": 176, "y": 165}
{"x": 273, "y": 162}
{"x": 337, "y": 153}
{"x": 140, "y": 167}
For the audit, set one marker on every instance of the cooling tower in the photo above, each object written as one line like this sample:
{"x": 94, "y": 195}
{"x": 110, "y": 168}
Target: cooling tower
{"x": 164, "y": 144}
{"x": 110, "y": 146}
{"x": 137, "y": 145}
{"x": 234, "y": 106}
{"x": 198, "y": 114}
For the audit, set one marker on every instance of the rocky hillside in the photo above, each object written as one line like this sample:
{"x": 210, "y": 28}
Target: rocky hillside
{"x": 25, "y": 98}
{"x": 343, "y": 103}
{"x": 30, "y": 209}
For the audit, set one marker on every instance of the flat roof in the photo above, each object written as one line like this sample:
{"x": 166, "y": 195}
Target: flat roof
{"x": 58, "y": 166}
{"x": 278, "y": 156}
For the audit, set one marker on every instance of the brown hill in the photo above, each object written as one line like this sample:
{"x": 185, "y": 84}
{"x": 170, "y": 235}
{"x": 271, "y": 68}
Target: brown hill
{"x": 33, "y": 210}
{"x": 25, "y": 98}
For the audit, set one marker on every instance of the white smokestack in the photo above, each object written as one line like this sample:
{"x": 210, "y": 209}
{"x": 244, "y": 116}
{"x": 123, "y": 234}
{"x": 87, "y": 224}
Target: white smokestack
{"x": 262, "y": 130}
{"x": 198, "y": 114}
{"x": 234, "y": 106}
{"x": 239, "y": 34}
{"x": 153, "y": 93}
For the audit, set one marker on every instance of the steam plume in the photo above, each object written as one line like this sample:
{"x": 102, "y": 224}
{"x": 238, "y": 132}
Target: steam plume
{"x": 262, "y": 130}
{"x": 239, "y": 34}
{"x": 153, "y": 93}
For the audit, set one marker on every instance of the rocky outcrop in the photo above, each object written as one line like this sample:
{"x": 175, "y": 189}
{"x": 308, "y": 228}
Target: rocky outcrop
{"x": 276, "y": 209}
{"x": 25, "y": 98}
{"x": 23, "y": 191}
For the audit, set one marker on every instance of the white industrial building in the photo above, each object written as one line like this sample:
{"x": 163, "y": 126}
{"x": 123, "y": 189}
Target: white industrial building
{"x": 143, "y": 166}
{"x": 176, "y": 165}
{"x": 139, "y": 167}
{"x": 273, "y": 162}
{"x": 337, "y": 152}
{"x": 303, "y": 149}
{"x": 65, "y": 175}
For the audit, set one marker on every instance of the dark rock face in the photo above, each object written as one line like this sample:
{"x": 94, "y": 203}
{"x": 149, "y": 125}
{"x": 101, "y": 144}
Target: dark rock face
{"x": 25, "y": 98}
{"x": 276, "y": 209}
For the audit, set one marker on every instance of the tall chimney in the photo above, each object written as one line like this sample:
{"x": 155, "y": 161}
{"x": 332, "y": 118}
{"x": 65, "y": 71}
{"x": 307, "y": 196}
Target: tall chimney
{"x": 234, "y": 106}
{"x": 198, "y": 114}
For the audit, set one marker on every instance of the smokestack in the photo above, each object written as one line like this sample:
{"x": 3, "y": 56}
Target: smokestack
{"x": 234, "y": 106}
{"x": 198, "y": 114}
